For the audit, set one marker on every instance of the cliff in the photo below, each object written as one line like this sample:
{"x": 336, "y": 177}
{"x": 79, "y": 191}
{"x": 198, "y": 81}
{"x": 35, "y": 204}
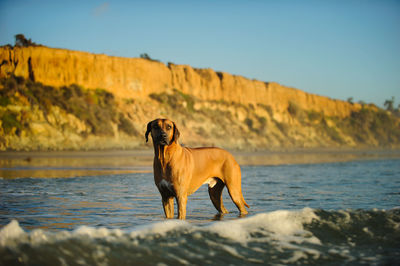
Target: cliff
{"x": 138, "y": 78}
{"x": 55, "y": 99}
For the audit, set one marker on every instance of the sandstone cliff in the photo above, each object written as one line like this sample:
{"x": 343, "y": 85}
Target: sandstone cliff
{"x": 138, "y": 78}
{"x": 55, "y": 99}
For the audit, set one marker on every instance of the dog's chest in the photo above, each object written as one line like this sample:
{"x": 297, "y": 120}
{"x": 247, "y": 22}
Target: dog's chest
{"x": 166, "y": 187}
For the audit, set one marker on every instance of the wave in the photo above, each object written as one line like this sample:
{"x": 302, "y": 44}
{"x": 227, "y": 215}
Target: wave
{"x": 306, "y": 236}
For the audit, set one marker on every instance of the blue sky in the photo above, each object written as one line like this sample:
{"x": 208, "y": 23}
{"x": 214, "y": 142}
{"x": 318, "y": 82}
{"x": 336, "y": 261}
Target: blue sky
{"x": 338, "y": 49}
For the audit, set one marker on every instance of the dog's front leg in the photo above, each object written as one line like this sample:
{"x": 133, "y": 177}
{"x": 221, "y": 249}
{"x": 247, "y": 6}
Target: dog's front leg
{"x": 168, "y": 205}
{"x": 181, "y": 200}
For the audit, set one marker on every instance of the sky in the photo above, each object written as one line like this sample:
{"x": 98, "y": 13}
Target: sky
{"x": 339, "y": 49}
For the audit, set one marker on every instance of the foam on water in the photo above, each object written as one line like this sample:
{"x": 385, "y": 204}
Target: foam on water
{"x": 281, "y": 223}
{"x": 10, "y": 232}
{"x": 282, "y": 237}
{"x": 160, "y": 228}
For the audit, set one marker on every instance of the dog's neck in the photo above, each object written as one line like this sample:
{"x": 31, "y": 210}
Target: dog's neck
{"x": 164, "y": 153}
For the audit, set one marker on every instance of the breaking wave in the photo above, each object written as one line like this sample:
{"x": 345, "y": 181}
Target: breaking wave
{"x": 306, "y": 236}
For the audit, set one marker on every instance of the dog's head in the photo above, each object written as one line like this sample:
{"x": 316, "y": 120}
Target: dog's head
{"x": 163, "y": 131}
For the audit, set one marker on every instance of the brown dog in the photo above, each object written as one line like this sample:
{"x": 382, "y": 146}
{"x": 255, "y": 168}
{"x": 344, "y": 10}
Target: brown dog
{"x": 180, "y": 171}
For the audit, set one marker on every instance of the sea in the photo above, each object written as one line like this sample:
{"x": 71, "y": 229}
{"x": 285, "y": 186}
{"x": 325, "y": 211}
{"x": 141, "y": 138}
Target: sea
{"x": 331, "y": 213}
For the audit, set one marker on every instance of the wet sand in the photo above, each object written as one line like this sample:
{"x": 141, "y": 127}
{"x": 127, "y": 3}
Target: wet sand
{"x": 313, "y": 156}
{"x": 92, "y": 163}
{"x": 74, "y": 163}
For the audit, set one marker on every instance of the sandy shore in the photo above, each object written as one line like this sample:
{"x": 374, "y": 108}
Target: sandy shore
{"x": 91, "y": 163}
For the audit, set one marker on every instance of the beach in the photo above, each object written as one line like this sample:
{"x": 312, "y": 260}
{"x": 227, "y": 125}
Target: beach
{"x": 305, "y": 208}
{"x": 92, "y": 163}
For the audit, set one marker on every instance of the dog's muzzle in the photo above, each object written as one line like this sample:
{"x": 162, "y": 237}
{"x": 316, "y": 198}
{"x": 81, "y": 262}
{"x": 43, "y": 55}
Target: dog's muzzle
{"x": 163, "y": 139}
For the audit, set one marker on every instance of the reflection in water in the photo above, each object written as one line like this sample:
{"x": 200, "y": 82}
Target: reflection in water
{"x": 61, "y": 173}
{"x": 72, "y": 164}
{"x": 80, "y": 163}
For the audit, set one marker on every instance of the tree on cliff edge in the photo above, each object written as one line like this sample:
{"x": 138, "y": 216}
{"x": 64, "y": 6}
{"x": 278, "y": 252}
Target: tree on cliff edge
{"x": 147, "y": 57}
{"x": 389, "y": 104}
{"x": 21, "y": 41}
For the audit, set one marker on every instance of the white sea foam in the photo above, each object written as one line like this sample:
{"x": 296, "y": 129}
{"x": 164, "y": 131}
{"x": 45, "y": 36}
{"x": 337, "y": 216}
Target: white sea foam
{"x": 101, "y": 232}
{"x": 278, "y": 225}
{"x": 10, "y": 232}
{"x": 281, "y": 225}
{"x": 160, "y": 228}
{"x": 286, "y": 237}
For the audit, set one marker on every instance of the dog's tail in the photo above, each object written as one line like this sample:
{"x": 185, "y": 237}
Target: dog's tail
{"x": 247, "y": 205}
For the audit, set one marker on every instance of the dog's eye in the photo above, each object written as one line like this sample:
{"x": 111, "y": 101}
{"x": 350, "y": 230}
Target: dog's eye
{"x": 169, "y": 127}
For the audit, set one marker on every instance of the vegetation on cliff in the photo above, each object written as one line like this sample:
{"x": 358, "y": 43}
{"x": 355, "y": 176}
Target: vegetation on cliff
{"x": 258, "y": 125}
{"x": 28, "y": 108}
{"x": 42, "y": 108}
{"x": 96, "y": 108}
{"x": 34, "y": 116}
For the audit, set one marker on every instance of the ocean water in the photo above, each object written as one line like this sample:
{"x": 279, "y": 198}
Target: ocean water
{"x": 325, "y": 214}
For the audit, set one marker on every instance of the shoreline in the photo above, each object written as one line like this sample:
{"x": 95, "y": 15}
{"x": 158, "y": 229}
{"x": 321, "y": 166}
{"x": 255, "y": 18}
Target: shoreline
{"x": 15, "y": 164}
{"x": 315, "y": 155}
{"x": 149, "y": 153}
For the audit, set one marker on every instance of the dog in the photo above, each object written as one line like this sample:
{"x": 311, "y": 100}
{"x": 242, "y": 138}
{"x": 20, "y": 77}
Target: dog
{"x": 180, "y": 171}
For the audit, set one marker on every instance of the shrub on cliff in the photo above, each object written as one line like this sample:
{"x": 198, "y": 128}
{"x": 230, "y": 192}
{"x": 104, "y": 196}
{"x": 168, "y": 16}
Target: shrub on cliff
{"x": 296, "y": 112}
{"x": 147, "y": 57}
{"x": 126, "y": 126}
{"x": 369, "y": 124}
{"x": 10, "y": 123}
{"x": 97, "y": 108}
{"x": 177, "y": 100}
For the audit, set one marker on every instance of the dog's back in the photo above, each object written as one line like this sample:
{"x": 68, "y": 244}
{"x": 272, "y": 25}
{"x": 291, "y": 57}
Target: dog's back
{"x": 214, "y": 164}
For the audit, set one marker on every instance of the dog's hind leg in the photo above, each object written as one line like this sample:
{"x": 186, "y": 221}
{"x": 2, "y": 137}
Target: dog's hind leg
{"x": 237, "y": 198}
{"x": 233, "y": 184}
{"x": 215, "y": 192}
{"x": 168, "y": 205}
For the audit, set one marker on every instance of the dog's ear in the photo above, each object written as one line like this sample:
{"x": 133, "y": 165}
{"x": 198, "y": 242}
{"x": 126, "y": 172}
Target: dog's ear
{"x": 176, "y": 134}
{"x": 148, "y": 131}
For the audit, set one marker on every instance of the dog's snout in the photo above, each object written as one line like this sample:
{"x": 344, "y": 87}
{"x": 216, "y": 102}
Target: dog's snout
{"x": 163, "y": 135}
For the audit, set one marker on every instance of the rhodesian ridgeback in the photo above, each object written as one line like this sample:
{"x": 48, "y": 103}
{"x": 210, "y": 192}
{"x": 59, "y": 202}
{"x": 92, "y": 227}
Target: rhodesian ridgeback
{"x": 180, "y": 171}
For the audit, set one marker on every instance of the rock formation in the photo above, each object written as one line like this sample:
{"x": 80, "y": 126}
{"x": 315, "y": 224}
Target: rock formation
{"x": 137, "y": 78}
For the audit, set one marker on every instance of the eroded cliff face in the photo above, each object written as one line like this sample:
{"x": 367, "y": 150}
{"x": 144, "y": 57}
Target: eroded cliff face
{"x": 138, "y": 78}
{"x": 34, "y": 116}
{"x": 114, "y": 98}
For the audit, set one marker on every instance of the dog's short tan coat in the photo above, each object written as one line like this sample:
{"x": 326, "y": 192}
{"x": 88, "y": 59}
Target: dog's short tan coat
{"x": 180, "y": 171}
